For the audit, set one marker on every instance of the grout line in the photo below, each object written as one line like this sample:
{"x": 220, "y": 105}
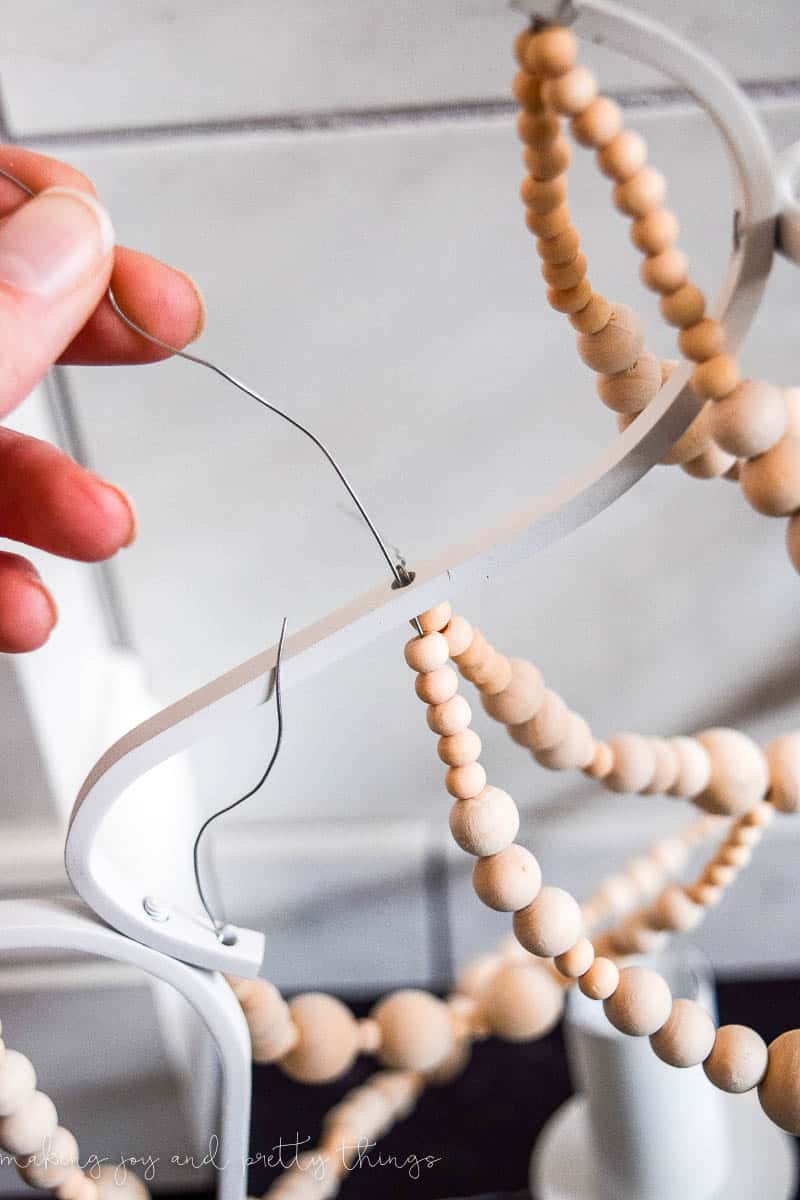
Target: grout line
{"x": 435, "y": 878}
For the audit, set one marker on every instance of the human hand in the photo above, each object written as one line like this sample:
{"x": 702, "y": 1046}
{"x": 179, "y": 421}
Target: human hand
{"x": 57, "y": 258}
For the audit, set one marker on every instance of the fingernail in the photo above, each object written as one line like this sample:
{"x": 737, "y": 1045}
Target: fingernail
{"x": 201, "y": 306}
{"x": 123, "y": 499}
{"x": 53, "y": 242}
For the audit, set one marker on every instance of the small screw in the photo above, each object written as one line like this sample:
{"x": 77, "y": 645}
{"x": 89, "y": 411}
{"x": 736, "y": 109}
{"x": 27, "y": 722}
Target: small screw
{"x": 154, "y": 910}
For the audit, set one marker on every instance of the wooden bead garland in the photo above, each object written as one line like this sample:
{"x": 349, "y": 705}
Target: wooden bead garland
{"x": 738, "y": 1060}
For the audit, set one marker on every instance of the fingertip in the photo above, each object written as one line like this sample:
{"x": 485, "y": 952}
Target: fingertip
{"x": 201, "y": 311}
{"x": 28, "y": 613}
{"x": 115, "y": 525}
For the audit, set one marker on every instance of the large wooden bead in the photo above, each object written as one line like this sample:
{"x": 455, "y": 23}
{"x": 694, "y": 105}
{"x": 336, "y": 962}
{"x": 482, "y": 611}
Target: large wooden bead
{"x": 77, "y": 1186}
{"x": 24, "y": 1131}
{"x": 327, "y": 1041}
{"x": 509, "y": 880}
{"x": 711, "y": 463}
{"x": 537, "y": 128}
{"x": 615, "y": 347}
{"x": 738, "y": 1061}
{"x": 631, "y": 390}
{"x": 598, "y": 123}
{"x": 521, "y": 699}
{"x": 550, "y": 52}
{"x": 492, "y": 676}
{"x": 426, "y": 653}
{"x": 550, "y": 925}
{"x": 473, "y": 978}
{"x": 572, "y": 92}
{"x": 641, "y": 1003}
{"x": 716, "y": 377}
{"x": 436, "y": 686}
{"x": 640, "y": 194}
{"x": 666, "y": 271}
{"x": 739, "y": 775}
{"x": 458, "y": 634}
{"x": 485, "y": 824}
{"x": 522, "y": 1001}
{"x": 416, "y": 1030}
{"x": 546, "y": 728}
{"x": 694, "y": 767}
{"x": 783, "y": 760}
{"x": 688, "y": 1036}
{"x": 17, "y": 1082}
{"x": 451, "y": 717}
{"x": 779, "y": 1090}
{"x": 655, "y": 231}
{"x": 771, "y": 482}
{"x": 433, "y": 620}
{"x": 465, "y": 782}
{"x": 750, "y": 420}
{"x": 601, "y": 980}
{"x": 576, "y": 961}
{"x": 634, "y": 763}
{"x": 674, "y": 910}
{"x": 112, "y": 1183}
{"x": 272, "y": 1033}
{"x": 527, "y": 90}
{"x": 683, "y": 307}
{"x": 575, "y": 752}
{"x": 49, "y": 1170}
{"x": 623, "y": 156}
{"x": 666, "y": 770}
{"x": 459, "y": 749}
{"x": 602, "y": 761}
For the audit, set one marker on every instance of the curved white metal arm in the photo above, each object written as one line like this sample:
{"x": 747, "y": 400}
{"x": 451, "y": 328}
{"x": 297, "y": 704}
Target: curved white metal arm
{"x": 118, "y": 899}
{"x": 47, "y": 925}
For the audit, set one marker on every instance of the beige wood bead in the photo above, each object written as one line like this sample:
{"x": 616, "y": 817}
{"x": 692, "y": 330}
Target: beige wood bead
{"x": 634, "y": 936}
{"x": 739, "y": 775}
{"x": 550, "y": 52}
{"x": 544, "y": 195}
{"x": 623, "y": 156}
{"x": 521, "y": 699}
{"x": 458, "y": 635}
{"x": 646, "y": 874}
{"x": 50, "y": 1170}
{"x": 566, "y": 276}
{"x": 615, "y": 347}
{"x": 641, "y": 1002}
{"x": 702, "y": 341}
{"x": 546, "y": 728}
{"x": 694, "y": 767}
{"x": 111, "y": 1183}
{"x": 24, "y": 1131}
{"x": 546, "y": 160}
{"x": 436, "y": 686}
{"x": 485, "y": 824}
{"x": 674, "y": 910}
{"x": 619, "y": 892}
{"x": 688, "y": 1036}
{"x": 655, "y": 232}
{"x": 631, "y": 390}
{"x": 761, "y": 816}
{"x": 735, "y": 856}
{"x": 670, "y": 855}
{"x": 17, "y": 1082}
{"x": 666, "y": 271}
{"x": 710, "y": 464}
{"x": 771, "y": 482}
{"x": 426, "y": 653}
{"x": 550, "y": 924}
{"x": 746, "y": 835}
{"x": 523, "y": 1001}
{"x": 779, "y": 1090}
{"x": 433, "y": 620}
{"x": 327, "y": 1041}
{"x": 738, "y": 1060}
{"x": 76, "y": 1186}
{"x": 509, "y": 880}
{"x": 272, "y": 1032}
{"x": 598, "y": 123}
{"x": 577, "y": 960}
{"x": 549, "y": 224}
{"x": 477, "y": 651}
{"x": 562, "y": 248}
{"x": 570, "y": 300}
{"x": 640, "y": 194}
{"x": 527, "y": 90}
{"x": 666, "y": 769}
{"x": 537, "y": 129}
{"x": 720, "y": 874}
{"x": 683, "y": 307}
{"x": 601, "y": 979}
{"x": 459, "y": 749}
{"x": 594, "y": 317}
{"x": 369, "y": 1036}
{"x": 465, "y": 782}
{"x": 783, "y": 761}
{"x": 451, "y": 717}
{"x": 574, "y": 752}
{"x": 793, "y": 541}
{"x": 749, "y": 420}
{"x": 520, "y": 44}
{"x": 473, "y": 978}
{"x": 693, "y": 441}
{"x": 494, "y": 677}
{"x": 634, "y": 763}
{"x": 602, "y": 761}
{"x": 704, "y": 893}
{"x": 716, "y": 377}
{"x": 416, "y": 1030}
{"x": 570, "y": 93}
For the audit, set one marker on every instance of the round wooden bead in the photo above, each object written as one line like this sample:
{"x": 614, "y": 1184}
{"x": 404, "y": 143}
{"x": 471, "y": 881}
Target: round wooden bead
{"x": 537, "y": 128}
{"x": 520, "y": 44}
{"x": 716, "y": 377}
{"x": 562, "y": 248}
{"x": 570, "y": 300}
{"x": 750, "y": 420}
{"x": 601, "y": 979}
{"x": 546, "y": 728}
{"x": 494, "y": 676}
{"x": 550, "y": 925}
{"x": 783, "y": 760}
{"x": 705, "y": 894}
{"x": 51, "y": 1168}
{"x": 111, "y": 1183}
{"x": 779, "y": 1090}
{"x": 602, "y": 761}
{"x": 738, "y": 1060}
{"x": 521, "y": 699}
{"x": 594, "y": 317}
{"x": 522, "y": 1001}
{"x": 548, "y": 160}
{"x": 527, "y": 90}
{"x": 459, "y": 749}
{"x": 739, "y": 776}
{"x": 24, "y": 1131}
{"x": 433, "y": 620}
{"x": 550, "y": 52}
{"x": 473, "y": 978}
{"x": 655, "y": 231}
{"x": 683, "y": 307}
{"x": 451, "y": 717}
{"x": 735, "y": 856}
{"x": 17, "y": 1082}
{"x": 327, "y": 1041}
{"x": 666, "y": 271}
{"x": 670, "y": 854}
{"x": 674, "y": 910}
{"x": 509, "y": 880}
{"x": 634, "y": 936}
{"x": 711, "y": 463}
{"x": 566, "y": 276}
{"x": 719, "y": 874}
{"x": 640, "y": 1004}
{"x": 793, "y": 541}
{"x": 704, "y": 340}
{"x": 477, "y": 651}
{"x": 694, "y": 767}
{"x": 631, "y": 390}
{"x": 465, "y": 782}
{"x": 544, "y": 195}
{"x": 623, "y": 156}
{"x": 666, "y": 769}
{"x": 577, "y": 960}
{"x": 634, "y": 763}
{"x": 416, "y": 1030}
{"x": 693, "y": 441}
{"x": 426, "y": 653}
{"x": 574, "y": 752}
{"x": 615, "y": 347}
{"x": 436, "y": 686}
{"x": 640, "y": 194}
{"x": 598, "y": 123}
{"x": 485, "y": 824}
{"x": 688, "y": 1036}
{"x": 549, "y": 224}
{"x": 570, "y": 93}
{"x": 458, "y": 635}
{"x": 771, "y": 482}
{"x": 761, "y": 816}
{"x": 76, "y": 1186}
{"x": 272, "y": 1033}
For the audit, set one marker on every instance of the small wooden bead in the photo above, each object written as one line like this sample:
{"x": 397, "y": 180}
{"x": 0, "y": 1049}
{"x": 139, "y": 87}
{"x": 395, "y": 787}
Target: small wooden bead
{"x": 634, "y": 763}
{"x": 570, "y": 300}
{"x": 24, "y": 1131}
{"x": 459, "y": 749}
{"x": 601, "y": 980}
{"x": 735, "y": 856}
{"x": 688, "y": 1036}
{"x": 716, "y": 377}
{"x": 694, "y": 767}
{"x": 602, "y": 761}
{"x": 550, "y": 925}
{"x": 641, "y": 1003}
{"x": 436, "y": 686}
{"x": 527, "y": 90}
{"x": 416, "y": 1031}
{"x": 424, "y": 654}
{"x": 543, "y": 195}
{"x": 465, "y": 782}
{"x": 540, "y": 129}
{"x": 749, "y": 420}
{"x": 615, "y": 347}
{"x": 738, "y": 1061}
{"x": 631, "y": 390}
{"x": 619, "y": 892}
{"x": 739, "y": 775}
{"x": 549, "y": 224}
{"x": 683, "y": 307}
{"x": 51, "y": 1169}
{"x": 451, "y": 717}
{"x": 485, "y": 824}
{"x": 793, "y": 541}
{"x": 566, "y": 276}
{"x": 369, "y": 1036}
{"x": 670, "y": 854}
{"x": 521, "y": 699}
{"x": 704, "y": 893}
{"x": 327, "y": 1042}
{"x": 719, "y": 874}
{"x": 746, "y": 835}
{"x": 623, "y": 156}
{"x": 458, "y": 635}
{"x": 17, "y": 1082}
{"x": 783, "y": 760}
{"x": 562, "y": 248}
{"x": 711, "y": 463}
{"x": 761, "y": 816}
{"x": 634, "y": 936}
{"x": 655, "y": 232}
{"x": 779, "y": 1090}
{"x": 702, "y": 341}
{"x": 674, "y": 910}
{"x": 546, "y": 728}
{"x": 494, "y": 677}
{"x": 272, "y": 1033}
{"x": 598, "y": 124}
{"x": 550, "y": 52}
{"x": 646, "y": 874}
{"x": 433, "y": 620}
{"x": 666, "y": 271}
{"x": 594, "y": 317}
{"x": 771, "y": 482}
{"x": 570, "y": 93}
{"x": 452, "y": 1066}
{"x": 577, "y": 960}
{"x": 667, "y": 766}
{"x": 574, "y": 752}
{"x": 523, "y": 1001}
{"x": 520, "y": 45}
{"x": 640, "y": 194}
{"x": 509, "y": 880}
{"x": 547, "y": 160}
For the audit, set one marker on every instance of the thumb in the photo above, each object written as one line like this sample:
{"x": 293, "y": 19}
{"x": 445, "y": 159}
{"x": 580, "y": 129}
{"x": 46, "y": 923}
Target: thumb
{"x": 56, "y": 254}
